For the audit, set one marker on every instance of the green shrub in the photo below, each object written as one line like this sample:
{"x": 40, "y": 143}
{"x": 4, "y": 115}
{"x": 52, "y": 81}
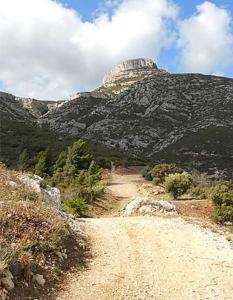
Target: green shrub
{"x": 222, "y": 197}
{"x": 23, "y": 160}
{"x": 60, "y": 162}
{"x": 223, "y": 214}
{"x": 178, "y": 184}
{"x": 75, "y": 206}
{"x": 161, "y": 171}
{"x": 222, "y": 193}
{"x": 41, "y": 164}
{"x": 146, "y": 173}
{"x": 77, "y": 159}
{"x": 198, "y": 192}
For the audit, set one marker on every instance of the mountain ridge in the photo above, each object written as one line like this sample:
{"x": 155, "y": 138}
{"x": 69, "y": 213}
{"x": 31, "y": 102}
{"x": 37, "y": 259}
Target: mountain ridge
{"x": 149, "y": 116}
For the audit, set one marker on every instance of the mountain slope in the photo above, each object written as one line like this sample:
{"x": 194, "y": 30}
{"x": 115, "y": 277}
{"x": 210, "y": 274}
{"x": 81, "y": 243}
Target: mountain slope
{"x": 151, "y": 114}
{"x": 155, "y": 114}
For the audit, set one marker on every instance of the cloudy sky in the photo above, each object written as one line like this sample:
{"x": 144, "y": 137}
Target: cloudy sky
{"x": 51, "y": 49}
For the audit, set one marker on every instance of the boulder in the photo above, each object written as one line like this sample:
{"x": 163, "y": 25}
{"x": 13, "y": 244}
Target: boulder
{"x": 39, "y": 279}
{"x": 149, "y": 206}
{"x": 7, "y": 283}
{"x": 51, "y": 195}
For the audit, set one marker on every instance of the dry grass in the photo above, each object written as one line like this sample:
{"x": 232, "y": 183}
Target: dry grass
{"x": 11, "y": 189}
{"x": 28, "y": 229}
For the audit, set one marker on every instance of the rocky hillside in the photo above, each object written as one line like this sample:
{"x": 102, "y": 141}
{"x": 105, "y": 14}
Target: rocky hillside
{"x": 175, "y": 117}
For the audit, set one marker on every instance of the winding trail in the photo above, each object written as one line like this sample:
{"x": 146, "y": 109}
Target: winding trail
{"x": 151, "y": 258}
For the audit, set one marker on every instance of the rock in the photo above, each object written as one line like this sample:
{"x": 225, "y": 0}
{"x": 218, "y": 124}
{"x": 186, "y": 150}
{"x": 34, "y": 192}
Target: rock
{"x": 3, "y": 294}
{"x": 51, "y": 195}
{"x": 39, "y": 279}
{"x": 149, "y": 206}
{"x": 7, "y": 283}
{"x": 8, "y": 274}
{"x": 59, "y": 254}
{"x": 228, "y": 223}
{"x": 128, "y": 69}
{"x": 127, "y": 73}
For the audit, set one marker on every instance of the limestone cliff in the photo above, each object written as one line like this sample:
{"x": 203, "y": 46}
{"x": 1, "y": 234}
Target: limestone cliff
{"x": 127, "y": 73}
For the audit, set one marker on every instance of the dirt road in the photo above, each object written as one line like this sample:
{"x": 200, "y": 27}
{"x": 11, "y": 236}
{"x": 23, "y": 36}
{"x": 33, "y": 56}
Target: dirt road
{"x": 152, "y": 258}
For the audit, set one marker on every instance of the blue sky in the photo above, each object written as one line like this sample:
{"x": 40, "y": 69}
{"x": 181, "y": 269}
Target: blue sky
{"x": 88, "y": 9}
{"x": 57, "y": 48}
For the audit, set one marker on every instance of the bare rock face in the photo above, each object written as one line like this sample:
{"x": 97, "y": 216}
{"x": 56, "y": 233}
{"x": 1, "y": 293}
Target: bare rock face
{"x": 127, "y": 73}
{"x": 38, "y": 108}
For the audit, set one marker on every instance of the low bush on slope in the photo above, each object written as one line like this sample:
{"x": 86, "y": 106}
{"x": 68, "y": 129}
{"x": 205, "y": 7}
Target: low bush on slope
{"x": 222, "y": 196}
{"x": 197, "y": 185}
{"x": 35, "y": 239}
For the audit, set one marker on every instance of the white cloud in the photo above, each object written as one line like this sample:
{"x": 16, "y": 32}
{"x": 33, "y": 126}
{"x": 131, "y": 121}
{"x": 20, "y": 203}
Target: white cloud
{"x": 206, "y": 39}
{"x": 47, "y": 51}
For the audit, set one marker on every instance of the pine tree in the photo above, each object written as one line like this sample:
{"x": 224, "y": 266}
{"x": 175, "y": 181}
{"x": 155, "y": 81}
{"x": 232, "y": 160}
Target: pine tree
{"x": 23, "y": 160}
{"x": 41, "y": 165}
{"x": 76, "y": 160}
{"x": 60, "y": 162}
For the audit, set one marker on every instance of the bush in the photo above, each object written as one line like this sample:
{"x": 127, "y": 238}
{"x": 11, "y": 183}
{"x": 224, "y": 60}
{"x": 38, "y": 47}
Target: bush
{"x": 76, "y": 159}
{"x": 29, "y": 230}
{"x": 223, "y": 214}
{"x": 222, "y": 197}
{"x": 222, "y": 193}
{"x": 75, "y": 206}
{"x": 198, "y": 192}
{"x": 178, "y": 184}
{"x": 23, "y": 160}
{"x": 41, "y": 164}
{"x": 161, "y": 171}
{"x": 146, "y": 173}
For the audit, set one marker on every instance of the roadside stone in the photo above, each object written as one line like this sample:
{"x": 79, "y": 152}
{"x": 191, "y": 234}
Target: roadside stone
{"x": 39, "y": 279}
{"x": 7, "y": 283}
{"x": 3, "y": 294}
{"x": 149, "y": 206}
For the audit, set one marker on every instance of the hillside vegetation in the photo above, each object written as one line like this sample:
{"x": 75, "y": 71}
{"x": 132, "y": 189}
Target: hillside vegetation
{"x": 35, "y": 240}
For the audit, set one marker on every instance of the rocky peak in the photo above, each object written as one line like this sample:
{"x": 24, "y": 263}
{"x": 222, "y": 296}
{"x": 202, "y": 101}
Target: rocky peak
{"x": 130, "y": 66}
{"x": 127, "y": 73}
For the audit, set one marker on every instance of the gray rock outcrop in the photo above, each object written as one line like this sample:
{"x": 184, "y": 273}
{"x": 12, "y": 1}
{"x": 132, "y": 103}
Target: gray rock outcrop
{"x": 127, "y": 73}
{"x": 51, "y": 195}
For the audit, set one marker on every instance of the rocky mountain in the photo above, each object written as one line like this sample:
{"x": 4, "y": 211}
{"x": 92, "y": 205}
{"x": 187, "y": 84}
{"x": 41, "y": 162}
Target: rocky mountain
{"x": 185, "y": 118}
{"x": 127, "y": 73}
{"x": 21, "y": 108}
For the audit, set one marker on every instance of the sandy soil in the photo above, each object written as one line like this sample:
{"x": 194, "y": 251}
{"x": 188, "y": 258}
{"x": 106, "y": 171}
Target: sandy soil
{"x": 151, "y": 258}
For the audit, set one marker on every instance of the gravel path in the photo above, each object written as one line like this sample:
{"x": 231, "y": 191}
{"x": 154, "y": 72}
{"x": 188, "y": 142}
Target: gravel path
{"x": 152, "y": 258}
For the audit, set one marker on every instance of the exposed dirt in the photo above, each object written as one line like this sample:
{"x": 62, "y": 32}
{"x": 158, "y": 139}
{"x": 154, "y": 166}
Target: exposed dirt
{"x": 195, "y": 208}
{"x": 151, "y": 257}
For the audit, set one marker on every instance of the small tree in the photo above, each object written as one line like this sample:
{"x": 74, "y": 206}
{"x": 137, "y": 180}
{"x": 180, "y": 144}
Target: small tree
{"x": 146, "y": 173}
{"x": 76, "y": 160}
{"x": 41, "y": 164}
{"x": 86, "y": 184}
{"x": 178, "y": 184}
{"x": 60, "y": 162}
{"x": 160, "y": 171}
{"x": 23, "y": 160}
